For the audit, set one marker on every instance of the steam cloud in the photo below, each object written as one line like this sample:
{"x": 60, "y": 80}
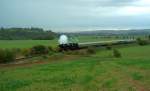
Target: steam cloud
{"x": 63, "y": 39}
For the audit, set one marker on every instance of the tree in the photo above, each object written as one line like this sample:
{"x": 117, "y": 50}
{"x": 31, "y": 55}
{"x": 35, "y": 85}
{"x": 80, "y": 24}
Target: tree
{"x": 26, "y": 33}
{"x": 148, "y": 37}
{"x": 141, "y": 42}
{"x": 116, "y": 53}
{"x": 7, "y": 56}
{"x": 39, "y": 49}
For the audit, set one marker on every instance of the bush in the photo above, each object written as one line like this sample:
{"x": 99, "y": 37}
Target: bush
{"x": 50, "y": 48}
{"x": 148, "y": 37}
{"x": 141, "y": 42}
{"x": 116, "y": 53}
{"x": 39, "y": 49}
{"x": 109, "y": 46}
{"x": 26, "y": 52}
{"x": 81, "y": 52}
{"x": 16, "y": 50}
{"x": 7, "y": 56}
{"x": 90, "y": 50}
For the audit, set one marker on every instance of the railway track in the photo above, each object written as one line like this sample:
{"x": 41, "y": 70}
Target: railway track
{"x": 104, "y": 43}
{"x": 74, "y": 46}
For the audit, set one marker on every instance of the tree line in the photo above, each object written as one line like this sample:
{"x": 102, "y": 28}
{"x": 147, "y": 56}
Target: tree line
{"x": 26, "y": 34}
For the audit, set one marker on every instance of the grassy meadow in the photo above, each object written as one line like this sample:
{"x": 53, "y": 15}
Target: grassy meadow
{"x": 97, "y": 72}
{"x": 26, "y": 43}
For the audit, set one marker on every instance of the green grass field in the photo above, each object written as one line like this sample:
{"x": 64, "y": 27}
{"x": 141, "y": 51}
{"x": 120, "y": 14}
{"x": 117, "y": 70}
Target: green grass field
{"x": 98, "y": 72}
{"x": 26, "y": 43}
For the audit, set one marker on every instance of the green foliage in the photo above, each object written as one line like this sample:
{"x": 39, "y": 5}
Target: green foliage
{"x": 56, "y": 49}
{"x": 116, "y": 53}
{"x": 142, "y": 42}
{"x": 91, "y": 50}
{"x": 17, "y": 51}
{"x": 76, "y": 52}
{"x": 137, "y": 76}
{"x": 39, "y": 49}
{"x": 148, "y": 37}
{"x": 81, "y": 52}
{"x": 109, "y": 46}
{"x": 26, "y": 52}
{"x": 6, "y": 56}
{"x": 26, "y": 33}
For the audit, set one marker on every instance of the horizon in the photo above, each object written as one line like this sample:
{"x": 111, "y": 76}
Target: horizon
{"x": 83, "y": 30}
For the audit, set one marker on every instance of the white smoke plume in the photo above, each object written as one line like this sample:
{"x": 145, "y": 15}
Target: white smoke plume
{"x": 63, "y": 39}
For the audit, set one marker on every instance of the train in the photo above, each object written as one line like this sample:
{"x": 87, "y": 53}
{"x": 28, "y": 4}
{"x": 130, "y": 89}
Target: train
{"x": 65, "y": 44}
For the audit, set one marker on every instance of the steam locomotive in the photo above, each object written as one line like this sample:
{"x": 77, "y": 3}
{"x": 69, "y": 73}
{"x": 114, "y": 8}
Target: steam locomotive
{"x": 65, "y": 44}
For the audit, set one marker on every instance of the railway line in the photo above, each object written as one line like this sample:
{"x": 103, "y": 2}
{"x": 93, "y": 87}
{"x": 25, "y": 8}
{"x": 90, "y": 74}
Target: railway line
{"x": 64, "y": 44}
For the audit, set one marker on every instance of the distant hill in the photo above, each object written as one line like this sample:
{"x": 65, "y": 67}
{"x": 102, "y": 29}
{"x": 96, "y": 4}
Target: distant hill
{"x": 26, "y": 34}
{"x": 114, "y": 32}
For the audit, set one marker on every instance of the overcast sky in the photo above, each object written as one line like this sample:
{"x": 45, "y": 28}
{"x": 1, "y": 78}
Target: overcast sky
{"x": 73, "y": 15}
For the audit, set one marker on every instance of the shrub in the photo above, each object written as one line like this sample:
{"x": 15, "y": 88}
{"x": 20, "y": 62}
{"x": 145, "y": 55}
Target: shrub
{"x": 109, "y": 46}
{"x": 75, "y": 52}
{"x": 69, "y": 52}
{"x": 141, "y": 42}
{"x": 39, "y": 49}
{"x": 26, "y": 52}
{"x": 7, "y": 56}
{"x": 148, "y": 37}
{"x": 50, "y": 48}
{"x": 56, "y": 49}
{"x": 116, "y": 53}
{"x": 16, "y": 50}
{"x": 44, "y": 56}
{"x": 90, "y": 50}
{"x": 81, "y": 52}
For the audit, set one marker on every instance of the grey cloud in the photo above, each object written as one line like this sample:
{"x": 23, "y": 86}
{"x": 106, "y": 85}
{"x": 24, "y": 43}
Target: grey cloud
{"x": 114, "y": 3}
{"x": 68, "y": 13}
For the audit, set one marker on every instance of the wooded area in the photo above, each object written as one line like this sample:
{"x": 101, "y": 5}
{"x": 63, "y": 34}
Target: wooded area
{"x": 26, "y": 34}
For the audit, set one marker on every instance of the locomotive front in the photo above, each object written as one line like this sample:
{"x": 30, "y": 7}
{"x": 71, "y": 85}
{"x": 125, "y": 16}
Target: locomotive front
{"x": 65, "y": 44}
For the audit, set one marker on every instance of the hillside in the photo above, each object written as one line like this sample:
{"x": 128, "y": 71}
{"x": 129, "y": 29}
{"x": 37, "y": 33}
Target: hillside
{"x": 98, "y": 72}
{"x": 114, "y": 32}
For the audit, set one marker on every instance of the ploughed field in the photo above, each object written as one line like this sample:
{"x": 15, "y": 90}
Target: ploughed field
{"x": 96, "y": 72}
